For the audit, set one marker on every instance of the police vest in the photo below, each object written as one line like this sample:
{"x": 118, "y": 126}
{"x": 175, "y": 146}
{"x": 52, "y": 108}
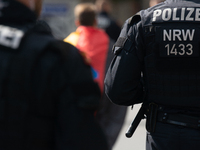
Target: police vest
{"x": 24, "y": 121}
{"x": 172, "y": 59}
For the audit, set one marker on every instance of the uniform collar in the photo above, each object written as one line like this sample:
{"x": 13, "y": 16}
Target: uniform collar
{"x": 12, "y": 11}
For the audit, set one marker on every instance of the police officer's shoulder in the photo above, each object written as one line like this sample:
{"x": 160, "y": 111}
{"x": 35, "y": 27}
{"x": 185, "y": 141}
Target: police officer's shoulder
{"x": 65, "y": 51}
{"x": 42, "y": 27}
{"x": 61, "y": 47}
{"x": 134, "y": 19}
{"x": 56, "y": 45}
{"x": 123, "y": 42}
{"x": 42, "y": 32}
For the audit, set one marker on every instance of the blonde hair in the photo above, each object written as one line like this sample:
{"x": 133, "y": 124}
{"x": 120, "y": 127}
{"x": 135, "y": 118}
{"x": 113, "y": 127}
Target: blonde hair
{"x": 85, "y": 13}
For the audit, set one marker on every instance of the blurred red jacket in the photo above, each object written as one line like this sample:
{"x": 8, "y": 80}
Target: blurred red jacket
{"x": 94, "y": 44}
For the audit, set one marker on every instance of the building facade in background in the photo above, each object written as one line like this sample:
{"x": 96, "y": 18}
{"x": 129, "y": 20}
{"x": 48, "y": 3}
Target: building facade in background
{"x": 59, "y": 14}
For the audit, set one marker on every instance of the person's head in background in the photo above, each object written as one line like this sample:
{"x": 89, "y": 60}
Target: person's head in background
{"x": 154, "y": 2}
{"x": 85, "y": 14}
{"x": 34, "y": 5}
{"x": 103, "y": 6}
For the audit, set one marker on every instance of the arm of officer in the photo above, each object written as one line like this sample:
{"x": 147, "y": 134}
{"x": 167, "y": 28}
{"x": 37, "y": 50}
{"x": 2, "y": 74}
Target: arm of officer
{"x": 123, "y": 79}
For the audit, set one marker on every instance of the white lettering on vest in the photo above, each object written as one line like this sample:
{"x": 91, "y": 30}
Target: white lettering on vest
{"x": 10, "y": 37}
{"x": 188, "y": 17}
{"x": 171, "y": 14}
{"x": 174, "y": 14}
{"x": 197, "y": 16}
{"x": 177, "y": 34}
{"x": 182, "y": 14}
{"x": 166, "y": 14}
{"x": 156, "y": 13}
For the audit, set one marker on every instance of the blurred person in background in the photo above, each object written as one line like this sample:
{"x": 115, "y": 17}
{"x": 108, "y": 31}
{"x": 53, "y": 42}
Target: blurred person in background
{"x": 95, "y": 44}
{"x": 92, "y": 42}
{"x": 48, "y": 96}
{"x": 105, "y": 20}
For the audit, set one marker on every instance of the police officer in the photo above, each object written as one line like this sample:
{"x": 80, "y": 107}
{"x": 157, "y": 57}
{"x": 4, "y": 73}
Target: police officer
{"x": 157, "y": 58}
{"x": 47, "y": 93}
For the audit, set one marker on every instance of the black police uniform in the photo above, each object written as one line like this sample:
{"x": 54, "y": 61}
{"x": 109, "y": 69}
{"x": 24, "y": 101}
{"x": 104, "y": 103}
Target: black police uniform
{"x": 157, "y": 62}
{"x": 48, "y": 96}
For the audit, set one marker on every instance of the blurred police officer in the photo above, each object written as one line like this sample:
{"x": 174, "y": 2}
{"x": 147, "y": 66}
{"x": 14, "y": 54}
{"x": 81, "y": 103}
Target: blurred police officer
{"x": 45, "y": 104}
{"x": 157, "y": 62}
{"x": 105, "y": 21}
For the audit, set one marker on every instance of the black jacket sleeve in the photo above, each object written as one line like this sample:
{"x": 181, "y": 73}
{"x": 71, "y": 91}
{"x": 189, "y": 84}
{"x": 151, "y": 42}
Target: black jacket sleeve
{"x": 123, "y": 81}
{"x": 77, "y": 97}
